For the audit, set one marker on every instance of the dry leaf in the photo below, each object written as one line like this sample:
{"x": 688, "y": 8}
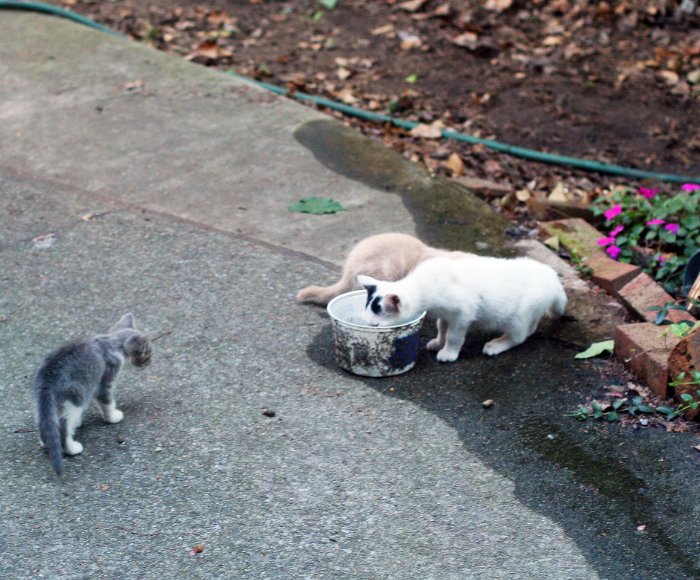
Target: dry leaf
{"x": 466, "y": 39}
{"x": 552, "y": 243}
{"x": 552, "y": 41}
{"x": 523, "y": 195}
{"x": 409, "y": 40}
{"x": 44, "y": 241}
{"x": 208, "y": 50}
{"x": 455, "y": 164}
{"x": 383, "y": 30}
{"x": 346, "y": 96}
{"x": 134, "y": 85}
{"x": 198, "y": 549}
{"x": 426, "y": 131}
{"x": 498, "y": 5}
{"x": 343, "y": 73}
{"x": 412, "y": 5}
{"x": 669, "y": 77}
{"x": 87, "y": 217}
{"x": 558, "y": 194}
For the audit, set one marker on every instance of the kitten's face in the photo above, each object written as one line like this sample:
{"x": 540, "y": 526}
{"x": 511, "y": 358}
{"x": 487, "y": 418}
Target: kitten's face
{"x": 139, "y": 351}
{"x": 383, "y": 308}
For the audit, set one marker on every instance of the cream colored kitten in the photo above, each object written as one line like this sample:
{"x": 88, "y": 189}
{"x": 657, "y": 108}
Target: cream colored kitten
{"x": 384, "y": 256}
{"x": 495, "y": 294}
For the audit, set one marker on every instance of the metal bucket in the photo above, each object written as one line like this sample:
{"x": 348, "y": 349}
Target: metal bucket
{"x": 371, "y": 351}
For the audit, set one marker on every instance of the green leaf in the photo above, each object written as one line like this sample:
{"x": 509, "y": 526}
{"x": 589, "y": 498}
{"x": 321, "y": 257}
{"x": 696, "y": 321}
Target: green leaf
{"x": 316, "y": 206}
{"x": 665, "y": 410}
{"x": 411, "y": 79}
{"x": 638, "y": 400}
{"x": 686, "y": 397}
{"x": 612, "y": 416}
{"x": 617, "y": 404}
{"x": 330, "y": 4}
{"x": 645, "y": 409}
{"x": 596, "y": 349}
{"x": 316, "y": 16}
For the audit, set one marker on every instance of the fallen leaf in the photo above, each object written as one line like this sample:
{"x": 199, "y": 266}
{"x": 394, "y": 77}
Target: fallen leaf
{"x": 498, "y": 5}
{"x": 641, "y": 528}
{"x": 316, "y": 206}
{"x": 411, "y": 79}
{"x": 198, "y": 549}
{"x": 208, "y": 50}
{"x": 552, "y": 41}
{"x": 412, "y": 5}
{"x": 552, "y": 243}
{"x": 330, "y": 4}
{"x": 409, "y": 40}
{"x": 455, "y": 164}
{"x": 696, "y": 447}
{"x": 383, "y": 30}
{"x": 694, "y": 76}
{"x": 558, "y": 194}
{"x": 466, "y": 39}
{"x": 426, "y": 131}
{"x": 134, "y": 85}
{"x": 487, "y": 404}
{"x": 523, "y": 195}
{"x": 343, "y": 73}
{"x": 346, "y": 96}
{"x": 44, "y": 241}
{"x": 596, "y": 349}
{"x": 87, "y": 217}
{"x": 669, "y": 77}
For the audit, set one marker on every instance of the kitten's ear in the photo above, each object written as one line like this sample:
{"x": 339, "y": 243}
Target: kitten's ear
{"x": 392, "y": 303}
{"x": 367, "y": 282}
{"x": 126, "y": 321}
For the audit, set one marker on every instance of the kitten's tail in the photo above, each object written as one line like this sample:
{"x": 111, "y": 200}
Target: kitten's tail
{"x": 50, "y": 428}
{"x": 324, "y": 294}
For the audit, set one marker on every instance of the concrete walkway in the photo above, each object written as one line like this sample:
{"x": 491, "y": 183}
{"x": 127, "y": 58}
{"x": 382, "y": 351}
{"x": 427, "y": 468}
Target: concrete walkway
{"x": 165, "y": 187}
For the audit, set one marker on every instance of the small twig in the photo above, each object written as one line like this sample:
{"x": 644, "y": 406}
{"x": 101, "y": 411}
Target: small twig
{"x": 25, "y": 430}
{"x": 162, "y": 335}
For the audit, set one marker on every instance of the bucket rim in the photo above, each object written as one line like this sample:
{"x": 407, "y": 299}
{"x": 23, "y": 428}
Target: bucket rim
{"x": 366, "y": 327}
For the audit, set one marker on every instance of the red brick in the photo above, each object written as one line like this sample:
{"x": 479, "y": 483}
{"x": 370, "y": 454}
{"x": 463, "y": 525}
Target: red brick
{"x": 642, "y": 293}
{"x": 610, "y": 274}
{"x": 645, "y": 349}
{"x": 685, "y": 358}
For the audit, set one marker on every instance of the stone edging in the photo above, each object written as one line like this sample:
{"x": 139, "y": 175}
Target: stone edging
{"x": 653, "y": 355}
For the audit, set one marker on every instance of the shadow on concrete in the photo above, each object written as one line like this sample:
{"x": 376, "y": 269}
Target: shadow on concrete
{"x": 584, "y": 476}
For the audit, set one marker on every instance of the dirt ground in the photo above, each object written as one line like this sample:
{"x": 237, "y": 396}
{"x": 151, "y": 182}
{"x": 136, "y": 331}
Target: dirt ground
{"x": 612, "y": 81}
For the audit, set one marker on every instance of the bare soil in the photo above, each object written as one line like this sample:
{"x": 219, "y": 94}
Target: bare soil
{"x": 613, "y": 81}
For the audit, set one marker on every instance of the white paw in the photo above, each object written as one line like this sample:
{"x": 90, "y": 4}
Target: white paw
{"x": 447, "y": 356}
{"x": 73, "y": 447}
{"x": 495, "y": 347}
{"x": 433, "y": 344}
{"x": 114, "y": 416}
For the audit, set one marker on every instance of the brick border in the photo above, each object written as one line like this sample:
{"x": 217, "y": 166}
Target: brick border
{"x": 643, "y": 346}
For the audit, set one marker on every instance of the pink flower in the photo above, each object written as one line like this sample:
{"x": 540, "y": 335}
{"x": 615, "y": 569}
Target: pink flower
{"x": 648, "y": 193}
{"x": 690, "y": 187}
{"x": 606, "y": 241}
{"x": 672, "y": 228}
{"x": 660, "y": 259}
{"x": 656, "y": 222}
{"x": 613, "y": 211}
{"x": 613, "y": 251}
{"x": 616, "y": 231}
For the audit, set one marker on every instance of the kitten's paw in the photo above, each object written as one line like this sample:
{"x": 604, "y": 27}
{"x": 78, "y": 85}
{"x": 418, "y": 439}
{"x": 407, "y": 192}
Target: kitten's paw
{"x": 114, "y": 416}
{"x": 496, "y": 346}
{"x": 73, "y": 447}
{"x": 434, "y": 344}
{"x": 447, "y": 356}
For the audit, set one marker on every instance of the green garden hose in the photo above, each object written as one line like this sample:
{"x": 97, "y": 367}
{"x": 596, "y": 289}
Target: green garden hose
{"x": 524, "y": 152}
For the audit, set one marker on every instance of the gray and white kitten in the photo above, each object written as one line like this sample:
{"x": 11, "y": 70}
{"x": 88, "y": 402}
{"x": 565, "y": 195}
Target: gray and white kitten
{"x": 71, "y": 376}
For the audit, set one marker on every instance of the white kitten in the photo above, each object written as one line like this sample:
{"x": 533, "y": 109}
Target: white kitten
{"x": 494, "y": 294}
{"x": 385, "y": 256}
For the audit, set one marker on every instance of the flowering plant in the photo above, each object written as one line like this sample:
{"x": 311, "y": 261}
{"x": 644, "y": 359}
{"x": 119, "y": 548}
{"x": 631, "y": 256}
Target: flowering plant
{"x": 659, "y": 232}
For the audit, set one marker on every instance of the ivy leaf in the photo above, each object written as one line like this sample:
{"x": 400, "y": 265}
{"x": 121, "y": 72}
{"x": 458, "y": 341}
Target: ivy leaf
{"x": 597, "y": 348}
{"x": 316, "y": 206}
